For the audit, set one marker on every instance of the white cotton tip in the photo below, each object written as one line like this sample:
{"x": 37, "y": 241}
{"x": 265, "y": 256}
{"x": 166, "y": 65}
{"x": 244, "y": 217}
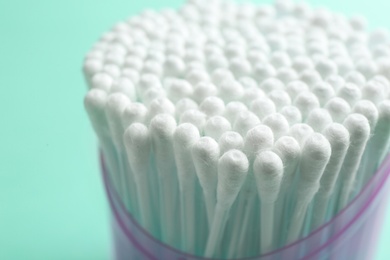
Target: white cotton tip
{"x": 367, "y": 68}
{"x": 212, "y": 106}
{"x": 125, "y": 86}
{"x": 326, "y": 68}
{"x": 138, "y": 144}
{"x": 268, "y": 172}
{"x": 264, "y": 71}
{"x": 92, "y": 66}
{"x": 338, "y": 137}
{"x": 245, "y": 121}
{"x": 196, "y": 76}
{"x": 114, "y": 58}
{"x": 215, "y": 61}
{"x": 289, "y": 151}
{"x": 319, "y": 119}
{"x": 306, "y": 102}
{"x": 234, "y": 50}
{"x": 324, "y": 91}
{"x": 280, "y": 98}
{"x": 116, "y": 104}
{"x": 248, "y": 82}
{"x": 336, "y": 82}
{"x": 240, "y": 67}
{"x": 134, "y": 62}
{"x": 271, "y": 84}
{"x": 95, "y": 102}
{"x": 310, "y": 77}
{"x": 183, "y": 105}
{"x": 338, "y": 108}
{"x": 178, "y": 89}
{"x": 294, "y": 88}
{"x": 220, "y": 75}
{"x": 292, "y": 114}
{"x": 233, "y": 109}
{"x": 258, "y": 139}
{"x": 280, "y": 59}
{"x": 382, "y": 80}
{"x": 131, "y": 74}
{"x": 232, "y": 171}
{"x": 162, "y": 127}
{"x": 112, "y": 70}
{"x": 356, "y": 78}
{"x": 374, "y": 92}
{"x": 160, "y": 106}
{"x": 202, "y": 90}
{"x": 344, "y": 65}
{"x": 146, "y": 82}
{"x": 230, "y": 90}
{"x": 278, "y": 123}
{"x": 358, "y": 127}
{"x": 350, "y": 93}
{"x": 205, "y": 154}
{"x": 133, "y": 113}
{"x": 230, "y": 140}
{"x": 257, "y": 56}
{"x": 251, "y": 94}
{"x": 174, "y": 66}
{"x": 184, "y": 137}
{"x": 286, "y": 74}
{"x": 262, "y": 107}
{"x": 300, "y": 132}
{"x": 216, "y": 126}
{"x": 102, "y": 81}
{"x": 316, "y": 152}
{"x": 194, "y": 117}
{"x": 302, "y": 63}
{"x": 369, "y": 110}
{"x": 152, "y": 94}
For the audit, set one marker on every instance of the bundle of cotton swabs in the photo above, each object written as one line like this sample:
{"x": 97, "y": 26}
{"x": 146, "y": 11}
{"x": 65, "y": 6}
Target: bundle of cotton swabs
{"x": 229, "y": 129}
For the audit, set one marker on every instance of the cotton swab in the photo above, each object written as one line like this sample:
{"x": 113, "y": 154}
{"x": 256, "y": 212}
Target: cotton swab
{"x": 338, "y": 108}
{"x": 232, "y": 171}
{"x": 116, "y": 104}
{"x": 216, "y": 126}
{"x": 289, "y": 151}
{"x": 300, "y": 132}
{"x": 338, "y": 137}
{"x": 95, "y": 103}
{"x": 245, "y": 121}
{"x": 205, "y": 153}
{"x": 162, "y": 128}
{"x": 316, "y": 152}
{"x": 134, "y": 112}
{"x": 233, "y": 109}
{"x": 292, "y": 114}
{"x": 359, "y": 130}
{"x": 268, "y": 171}
{"x": 230, "y": 140}
{"x": 184, "y": 138}
{"x": 138, "y": 146}
{"x": 306, "y": 102}
{"x": 319, "y": 119}
{"x": 378, "y": 145}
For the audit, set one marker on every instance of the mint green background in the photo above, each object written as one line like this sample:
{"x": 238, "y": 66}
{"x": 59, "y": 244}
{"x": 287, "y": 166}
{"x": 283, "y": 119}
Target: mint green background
{"x": 52, "y": 204}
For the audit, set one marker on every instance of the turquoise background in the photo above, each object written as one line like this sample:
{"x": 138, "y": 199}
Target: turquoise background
{"x": 52, "y": 204}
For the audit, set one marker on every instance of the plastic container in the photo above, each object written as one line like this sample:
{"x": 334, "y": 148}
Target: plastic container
{"x": 352, "y": 234}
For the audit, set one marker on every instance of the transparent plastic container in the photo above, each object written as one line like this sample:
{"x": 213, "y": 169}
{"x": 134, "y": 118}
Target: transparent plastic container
{"x": 352, "y": 234}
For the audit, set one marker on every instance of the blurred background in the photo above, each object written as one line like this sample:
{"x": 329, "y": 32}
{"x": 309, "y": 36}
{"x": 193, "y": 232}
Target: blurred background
{"x": 52, "y": 203}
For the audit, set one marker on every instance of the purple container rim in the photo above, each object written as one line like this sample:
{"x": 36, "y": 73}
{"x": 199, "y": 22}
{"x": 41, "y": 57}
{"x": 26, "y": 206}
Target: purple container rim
{"x": 113, "y": 196}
